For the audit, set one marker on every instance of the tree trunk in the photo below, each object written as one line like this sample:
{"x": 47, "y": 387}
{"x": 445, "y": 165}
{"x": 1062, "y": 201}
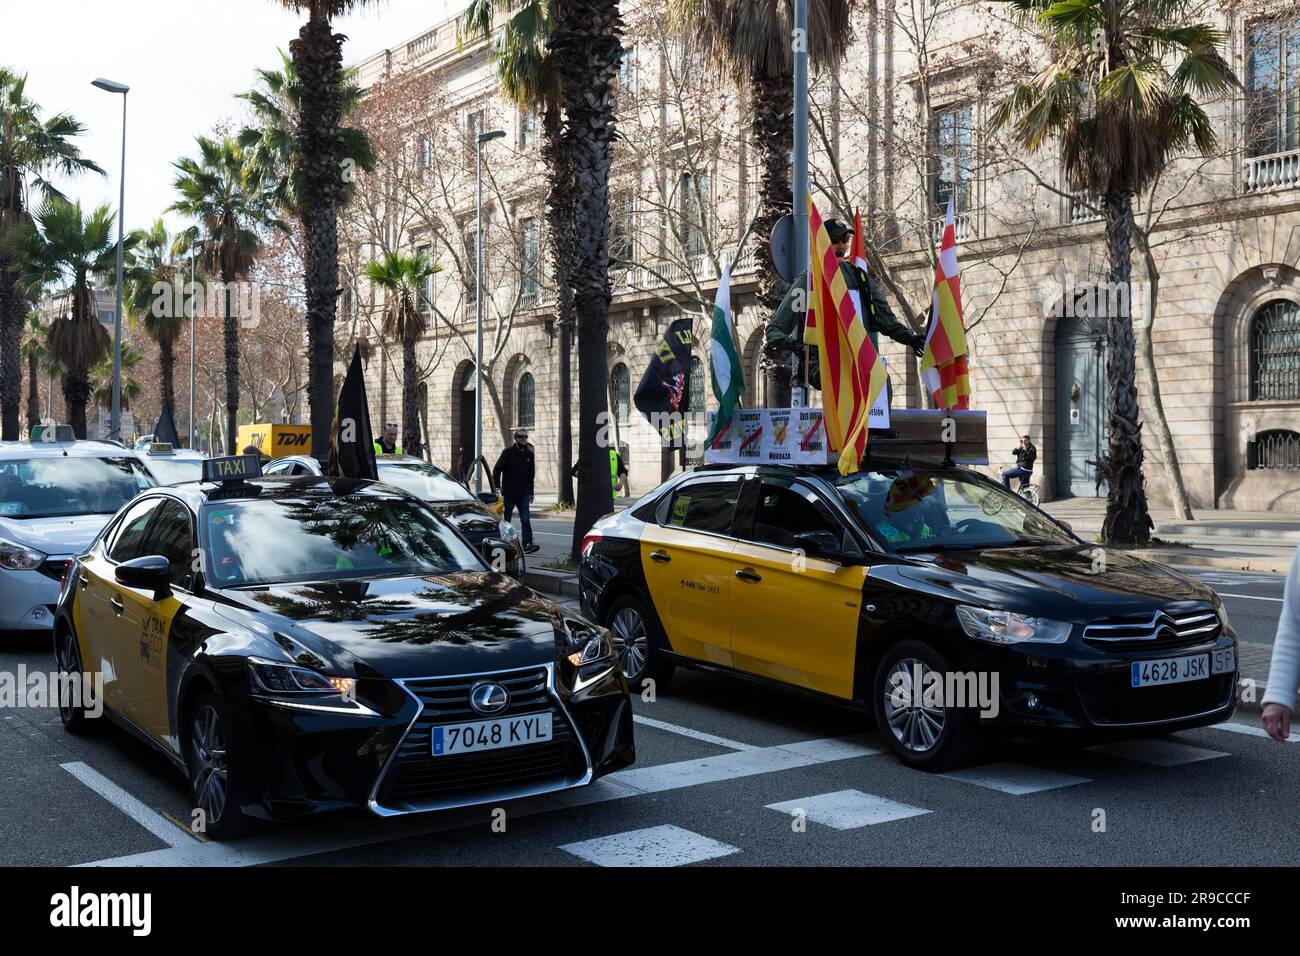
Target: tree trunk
{"x": 772, "y": 130}
{"x": 11, "y": 344}
{"x": 1127, "y": 519}
{"x": 586, "y": 47}
{"x": 318, "y": 56}
{"x": 76, "y": 392}
{"x": 410, "y": 405}
{"x": 33, "y": 391}
{"x": 230, "y": 341}
{"x": 166, "y": 371}
{"x": 560, "y": 220}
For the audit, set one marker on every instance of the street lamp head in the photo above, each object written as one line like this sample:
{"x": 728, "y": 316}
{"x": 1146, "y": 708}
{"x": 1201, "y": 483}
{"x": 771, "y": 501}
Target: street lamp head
{"x": 110, "y": 85}
{"x": 490, "y": 134}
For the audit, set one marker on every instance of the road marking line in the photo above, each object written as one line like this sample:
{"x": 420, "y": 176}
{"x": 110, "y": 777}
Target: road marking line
{"x": 1158, "y": 753}
{"x": 1250, "y": 730}
{"x": 694, "y": 734}
{"x": 1251, "y": 597}
{"x": 1014, "y": 778}
{"x": 150, "y": 819}
{"x": 664, "y": 845}
{"x": 347, "y": 831}
{"x": 848, "y": 809}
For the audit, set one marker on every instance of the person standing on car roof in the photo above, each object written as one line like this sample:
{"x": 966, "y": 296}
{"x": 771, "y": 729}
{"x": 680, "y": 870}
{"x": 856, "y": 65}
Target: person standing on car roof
{"x": 513, "y": 474}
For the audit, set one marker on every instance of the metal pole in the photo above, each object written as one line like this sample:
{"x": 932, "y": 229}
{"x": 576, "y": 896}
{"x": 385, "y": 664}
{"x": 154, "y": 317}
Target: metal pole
{"x": 799, "y": 245}
{"x": 115, "y": 425}
{"x": 192, "y": 350}
{"x": 478, "y": 309}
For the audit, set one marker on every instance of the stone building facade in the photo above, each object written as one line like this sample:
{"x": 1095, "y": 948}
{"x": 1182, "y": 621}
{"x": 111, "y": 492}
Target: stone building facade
{"x": 903, "y": 125}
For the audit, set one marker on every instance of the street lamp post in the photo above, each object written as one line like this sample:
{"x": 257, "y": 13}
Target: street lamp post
{"x": 799, "y": 240}
{"x": 478, "y": 303}
{"x": 190, "y": 303}
{"x": 115, "y": 423}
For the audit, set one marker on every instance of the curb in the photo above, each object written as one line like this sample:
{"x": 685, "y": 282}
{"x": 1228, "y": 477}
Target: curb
{"x": 549, "y": 581}
{"x": 1238, "y": 563}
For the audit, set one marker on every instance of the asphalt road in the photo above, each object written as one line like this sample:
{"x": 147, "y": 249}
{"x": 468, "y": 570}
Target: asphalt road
{"x": 726, "y": 774}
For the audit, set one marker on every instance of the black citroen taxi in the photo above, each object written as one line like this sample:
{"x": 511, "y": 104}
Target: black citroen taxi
{"x": 304, "y": 644}
{"x": 923, "y": 595}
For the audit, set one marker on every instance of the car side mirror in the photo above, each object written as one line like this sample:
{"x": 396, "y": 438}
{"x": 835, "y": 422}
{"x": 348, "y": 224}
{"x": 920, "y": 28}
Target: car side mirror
{"x": 495, "y": 551}
{"x": 1066, "y": 525}
{"x": 821, "y": 544}
{"x": 150, "y": 573}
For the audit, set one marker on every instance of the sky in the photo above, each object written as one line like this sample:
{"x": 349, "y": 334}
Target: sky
{"x": 184, "y": 61}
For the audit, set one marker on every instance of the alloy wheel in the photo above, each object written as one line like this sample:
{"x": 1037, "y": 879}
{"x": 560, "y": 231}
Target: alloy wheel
{"x": 69, "y": 668}
{"x": 917, "y": 727}
{"x": 208, "y": 768}
{"x": 631, "y": 642}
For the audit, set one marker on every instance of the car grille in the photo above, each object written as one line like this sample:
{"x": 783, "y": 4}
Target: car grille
{"x": 1183, "y": 627}
{"x": 1114, "y": 701}
{"x": 416, "y": 780}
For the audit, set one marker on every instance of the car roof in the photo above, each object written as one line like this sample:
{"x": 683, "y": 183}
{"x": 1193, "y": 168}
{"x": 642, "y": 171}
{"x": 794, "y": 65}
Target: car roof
{"x": 271, "y": 487}
{"x": 82, "y": 448}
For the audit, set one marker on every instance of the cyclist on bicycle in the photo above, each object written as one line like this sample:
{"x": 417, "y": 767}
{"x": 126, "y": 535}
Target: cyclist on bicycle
{"x": 1026, "y": 454}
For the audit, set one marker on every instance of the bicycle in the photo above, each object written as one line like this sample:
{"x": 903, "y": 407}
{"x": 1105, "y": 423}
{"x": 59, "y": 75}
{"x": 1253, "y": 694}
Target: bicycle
{"x": 1028, "y": 492}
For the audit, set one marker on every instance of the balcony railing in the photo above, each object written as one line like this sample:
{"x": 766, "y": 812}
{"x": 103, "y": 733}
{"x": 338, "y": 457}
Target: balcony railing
{"x": 1274, "y": 171}
{"x": 657, "y": 275}
{"x": 963, "y": 225}
{"x": 1084, "y": 208}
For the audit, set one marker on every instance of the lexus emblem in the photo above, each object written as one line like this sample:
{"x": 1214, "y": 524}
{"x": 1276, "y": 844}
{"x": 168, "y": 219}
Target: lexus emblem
{"x": 489, "y": 697}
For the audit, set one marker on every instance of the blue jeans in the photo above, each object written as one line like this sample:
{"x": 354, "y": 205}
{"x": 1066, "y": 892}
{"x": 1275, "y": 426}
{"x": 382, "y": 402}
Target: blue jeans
{"x": 511, "y": 501}
{"x": 1015, "y": 471}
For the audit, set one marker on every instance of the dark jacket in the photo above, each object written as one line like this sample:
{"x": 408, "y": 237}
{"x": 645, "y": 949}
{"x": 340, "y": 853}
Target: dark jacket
{"x": 785, "y": 329}
{"x": 1025, "y": 457}
{"x": 514, "y": 471}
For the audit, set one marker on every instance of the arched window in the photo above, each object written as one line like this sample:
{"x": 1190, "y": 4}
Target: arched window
{"x": 525, "y": 401}
{"x": 620, "y": 385}
{"x": 698, "y": 386}
{"x": 1275, "y": 352}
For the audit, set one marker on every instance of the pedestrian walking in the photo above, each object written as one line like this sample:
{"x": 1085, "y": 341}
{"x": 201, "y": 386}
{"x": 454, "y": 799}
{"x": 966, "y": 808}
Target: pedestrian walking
{"x": 513, "y": 474}
{"x": 1284, "y": 669}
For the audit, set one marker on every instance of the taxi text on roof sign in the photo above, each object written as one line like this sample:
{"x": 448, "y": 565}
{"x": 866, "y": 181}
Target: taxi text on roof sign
{"x": 234, "y": 468}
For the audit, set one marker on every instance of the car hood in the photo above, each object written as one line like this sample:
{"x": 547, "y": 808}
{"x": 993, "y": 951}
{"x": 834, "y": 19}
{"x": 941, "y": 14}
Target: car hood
{"x": 66, "y": 535}
{"x": 410, "y": 626}
{"x": 1076, "y": 583}
{"x": 469, "y": 517}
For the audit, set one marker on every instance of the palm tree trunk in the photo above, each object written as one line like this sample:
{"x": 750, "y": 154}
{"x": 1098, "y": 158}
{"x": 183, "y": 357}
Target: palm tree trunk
{"x": 318, "y": 56}
{"x": 410, "y": 406}
{"x": 11, "y": 362}
{"x": 230, "y": 341}
{"x": 1127, "y": 518}
{"x": 772, "y": 129}
{"x": 166, "y": 370}
{"x": 585, "y": 44}
{"x": 76, "y": 392}
{"x": 560, "y": 220}
{"x": 33, "y": 391}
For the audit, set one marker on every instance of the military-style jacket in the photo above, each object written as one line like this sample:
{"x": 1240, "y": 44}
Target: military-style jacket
{"x": 785, "y": 329}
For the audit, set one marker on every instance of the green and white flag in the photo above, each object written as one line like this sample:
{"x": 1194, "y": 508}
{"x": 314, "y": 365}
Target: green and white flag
{"x": 728, "y": 379}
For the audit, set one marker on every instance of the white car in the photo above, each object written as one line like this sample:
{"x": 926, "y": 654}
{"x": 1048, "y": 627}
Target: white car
{"x": 55, "y": 497}
{"x": 173, "y": 466}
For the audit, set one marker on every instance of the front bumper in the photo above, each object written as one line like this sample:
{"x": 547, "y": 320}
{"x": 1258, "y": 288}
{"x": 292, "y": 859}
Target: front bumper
{"x": 28, "y": 598}
{"x": 303, "y": 762}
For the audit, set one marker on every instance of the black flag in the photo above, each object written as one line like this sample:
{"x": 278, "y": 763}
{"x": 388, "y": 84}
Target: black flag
{"x": 352, "y": 447}
{"x": 664, "y": 395}
{"x": 165, "y": 430}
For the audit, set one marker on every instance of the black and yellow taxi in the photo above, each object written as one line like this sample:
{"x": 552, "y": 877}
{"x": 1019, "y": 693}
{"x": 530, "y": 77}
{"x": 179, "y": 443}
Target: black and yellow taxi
{"x": 304, "y": 644}
{"x": 923, "y": 595}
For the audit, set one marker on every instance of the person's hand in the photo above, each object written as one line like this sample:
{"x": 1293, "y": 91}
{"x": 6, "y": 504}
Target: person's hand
{"x": 918, "y": 346}
{"x": 1276, "y": 721}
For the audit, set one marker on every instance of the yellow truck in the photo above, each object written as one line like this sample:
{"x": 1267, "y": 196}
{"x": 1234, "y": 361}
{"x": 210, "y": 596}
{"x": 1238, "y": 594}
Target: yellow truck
{"x": 276, "y": 440}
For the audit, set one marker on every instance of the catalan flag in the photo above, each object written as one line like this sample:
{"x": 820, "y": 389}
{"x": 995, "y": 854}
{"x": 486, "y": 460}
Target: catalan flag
{"x": 943, "y": 365}
{"x": 853, "y": 375}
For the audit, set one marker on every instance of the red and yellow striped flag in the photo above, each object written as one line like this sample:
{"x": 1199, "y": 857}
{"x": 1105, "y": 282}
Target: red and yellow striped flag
{"x": 943, "y": 365}
{"x": 852, "y": 372}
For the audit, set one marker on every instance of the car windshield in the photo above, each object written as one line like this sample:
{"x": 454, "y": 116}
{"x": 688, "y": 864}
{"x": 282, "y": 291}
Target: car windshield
{"x": 423, "y": 481}
{"x": 56, "y": 486}
{"x": 920, "y": 510}
{"x": 174, "y": 471}
{"x": 283, "y": 540}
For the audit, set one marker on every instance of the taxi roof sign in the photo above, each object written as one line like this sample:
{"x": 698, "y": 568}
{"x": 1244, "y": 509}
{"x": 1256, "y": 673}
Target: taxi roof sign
{"x": 232, "y": 468}
{"x": 161, "y": 448}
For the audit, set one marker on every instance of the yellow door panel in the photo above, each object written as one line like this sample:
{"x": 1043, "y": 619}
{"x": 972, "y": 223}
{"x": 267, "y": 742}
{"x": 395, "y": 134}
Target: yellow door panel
{"x": 142, "y": 635}
{"x": 689, "y": 574}
{"x": 799, "y": 622}
{"x": 96, "y": 622}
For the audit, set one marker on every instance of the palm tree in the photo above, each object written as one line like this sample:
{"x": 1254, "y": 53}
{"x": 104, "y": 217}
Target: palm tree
{"x": 1121, "y": 96}
{"x": 402, "y": 277}
{"x": 101, "y": 377}
{"x": 229, "y": 203}
{"x": 584, "y": 45}
{"x": 317, "y": 55}
{"x": 752, "y": 43}
{"x": 154, "y": 280}
{"x": 527, "y": 75}
{"x": 30, "y": 150}
{"x": 61, "y": 245}
{"x": 39, "y": 361}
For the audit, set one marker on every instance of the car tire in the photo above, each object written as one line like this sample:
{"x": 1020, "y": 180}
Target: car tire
{"x": 637, "y": 639}
{"x": 67, "y": 654}
{"x": 926, "y": 738}
{"x": 212, "y": 766}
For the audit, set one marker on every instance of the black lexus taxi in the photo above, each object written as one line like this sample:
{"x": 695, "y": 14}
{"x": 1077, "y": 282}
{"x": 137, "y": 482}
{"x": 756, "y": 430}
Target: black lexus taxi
{"x": 925, "y": 596}
{"x": 303, "y": 644}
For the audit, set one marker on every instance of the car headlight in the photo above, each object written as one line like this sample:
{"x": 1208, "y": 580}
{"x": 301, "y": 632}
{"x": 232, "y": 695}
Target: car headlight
{"x": 1008, "y": 627}
{"x": 509, "y": 533}
{"x": 17, "y": 557}
{"x": 1223, "y": 614}
{"x": 268, "y": 677}
{"x": 587, "y": 645}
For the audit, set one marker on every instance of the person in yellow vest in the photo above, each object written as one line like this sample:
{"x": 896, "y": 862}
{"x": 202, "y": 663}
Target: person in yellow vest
{"x": 387, "y": 443}
{"x": 617, "y": 472}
